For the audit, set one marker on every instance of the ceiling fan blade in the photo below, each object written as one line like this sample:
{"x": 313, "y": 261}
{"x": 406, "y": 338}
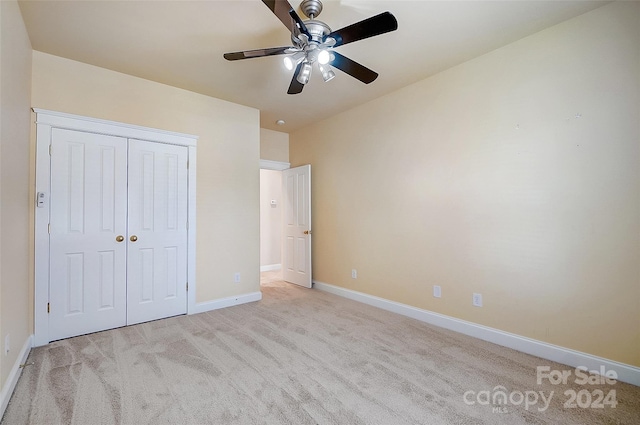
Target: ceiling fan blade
{"x": 296, "y": 86}
{"x": 281, "y": 9}
{"x": 353, "y": 68}
{"x": 376, "y": 25}
{"x": 258, "y": 53}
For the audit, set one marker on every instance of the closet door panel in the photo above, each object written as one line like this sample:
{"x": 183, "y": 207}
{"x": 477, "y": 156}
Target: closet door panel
{"x": 157, "y": 257}
{"x": 88, "y": 212}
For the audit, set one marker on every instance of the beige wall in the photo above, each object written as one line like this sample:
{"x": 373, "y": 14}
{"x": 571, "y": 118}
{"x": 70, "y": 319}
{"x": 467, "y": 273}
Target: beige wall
{"x": 514, "y": 175}
{"x": 274, "y": 145}
{"x": 227, "y": 159}
{"x": 15, "y": 86}
{"x": 270, "y": 217}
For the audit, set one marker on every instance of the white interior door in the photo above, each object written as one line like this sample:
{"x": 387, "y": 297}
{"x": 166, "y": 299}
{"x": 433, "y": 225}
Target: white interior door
{"x": 87, "y": 233}
{"x": 296, "y": 258}
{"x": 157, "y": 243}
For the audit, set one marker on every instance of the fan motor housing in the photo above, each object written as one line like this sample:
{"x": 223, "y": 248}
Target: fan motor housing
{"x": 317, "y": 29}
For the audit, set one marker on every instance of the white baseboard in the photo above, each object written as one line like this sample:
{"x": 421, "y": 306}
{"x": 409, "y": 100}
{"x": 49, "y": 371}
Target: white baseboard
{"x": 270, "y": 267}
{"x": 626, "y": 373}
{"x": 16, "y": 370}
{"x": 226, "y": 302}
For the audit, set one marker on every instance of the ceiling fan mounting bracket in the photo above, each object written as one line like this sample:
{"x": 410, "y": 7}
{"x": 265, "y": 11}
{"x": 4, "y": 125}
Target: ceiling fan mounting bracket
{"x": 311, "y": 8}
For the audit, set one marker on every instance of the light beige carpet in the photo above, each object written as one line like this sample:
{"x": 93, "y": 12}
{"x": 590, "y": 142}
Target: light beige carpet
{"x": 298, "y": 357}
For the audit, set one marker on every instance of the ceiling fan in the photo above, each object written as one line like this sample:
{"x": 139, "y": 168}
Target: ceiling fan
{"x": 314, "y": 43}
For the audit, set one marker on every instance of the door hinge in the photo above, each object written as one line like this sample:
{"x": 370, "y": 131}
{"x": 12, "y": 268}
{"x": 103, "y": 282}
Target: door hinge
{"x": 187, "y": 164}
{"x": 48, "y": 308}
{"x": 187, "y": 286}
{"x": 49, "y": 228}
{"x": 49, "y": 150}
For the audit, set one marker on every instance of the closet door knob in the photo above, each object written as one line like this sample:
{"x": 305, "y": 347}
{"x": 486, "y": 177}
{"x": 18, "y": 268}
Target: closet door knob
{"x": 119, "y": 238}
{"x": 133, "y": 238}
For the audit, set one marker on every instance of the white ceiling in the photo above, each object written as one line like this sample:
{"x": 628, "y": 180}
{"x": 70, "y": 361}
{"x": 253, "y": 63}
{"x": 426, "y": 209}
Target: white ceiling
{"x": 181, "y": 43}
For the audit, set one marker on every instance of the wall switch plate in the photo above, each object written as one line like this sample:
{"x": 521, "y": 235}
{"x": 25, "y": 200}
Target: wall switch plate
{"x": 477, "y": 300}
{"x": 437, "y": 291}
{"x": 236, "y": 277}
{"x": 354, "y": 274}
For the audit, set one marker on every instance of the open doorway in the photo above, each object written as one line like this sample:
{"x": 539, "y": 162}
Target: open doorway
{"x": 270, "y": 225}
{"x": 274, "y": 158}
{"x": 285, "y": 224}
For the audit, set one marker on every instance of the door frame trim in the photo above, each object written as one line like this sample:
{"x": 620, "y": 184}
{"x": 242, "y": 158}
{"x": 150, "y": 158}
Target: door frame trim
{"x": 267, "y": 164}
{"x": 47, "y": 120}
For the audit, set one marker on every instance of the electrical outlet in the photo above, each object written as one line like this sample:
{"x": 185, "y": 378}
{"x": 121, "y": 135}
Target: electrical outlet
{"x": 236, "y": 277}
{"x": 477, "y": 300}
{"x": 437, "y": 291}
{"x": 7, "y": 347}
{"x": 354, "y": 274}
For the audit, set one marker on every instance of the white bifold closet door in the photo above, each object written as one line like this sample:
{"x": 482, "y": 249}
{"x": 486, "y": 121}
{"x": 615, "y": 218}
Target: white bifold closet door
{"x": 118, "y": 232}
{"x": 157, "y": 259}
{"x": 88, "y": 269}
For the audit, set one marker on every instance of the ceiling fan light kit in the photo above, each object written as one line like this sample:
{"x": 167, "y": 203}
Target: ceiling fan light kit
{"x": 290, "y": 62}
{"x": 313, "y": 43}
{"x": 305, "y": 73}
{"x": 327, "y": 72}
